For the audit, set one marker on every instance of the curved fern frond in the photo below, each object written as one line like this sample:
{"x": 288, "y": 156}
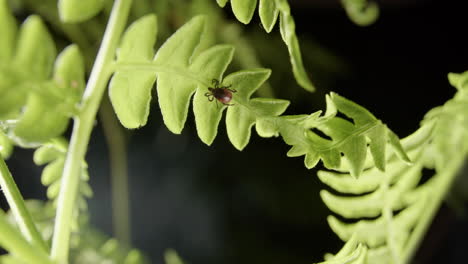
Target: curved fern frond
{"x": 361, "y": 12}
{"x": 181, "y": 70}
{"x": 269, "y": 10}
{"x": 351, "y": 253}
{"x": 347, "y": 140}
{"x": 37, "y": 97}
{"x": 53, "y": 154}
{"x": 391, "y": 210}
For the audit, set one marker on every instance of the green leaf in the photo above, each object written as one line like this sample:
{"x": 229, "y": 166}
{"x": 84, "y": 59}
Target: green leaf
{"x": 240, "y": 117}
{"x": 239, "y": 122}
{"x": 351, "y": 253}
{"x": 12, "y": 97}
{"x": 52, "y": 173}
{"x": 268, "y": 11}
{"x": 35, "y": 108}
{"x": 38, "y": 123}
{"x": 459, "y": 80}
{"x": 36, "y": 50}
{"x": 388, "y": 210}
{"x": 53, "y": 152}
{"x": 352, "y": 139}
{"x": 174, "y": 91}
{"x": 268, "y": 14}
{"x": 74, "y": 11}
{"x": 221, "y": 3}
{"x": 243, "y": 9}
{"x": 210, "y": 63}
{"x": 50, "y": 151}
{"x": 361, "y": 12}
{"x": 130, "y": 90}
{"x": 287, "y": 30}
{"x": 69, "y": 74}
{"x": 8, "y": 30}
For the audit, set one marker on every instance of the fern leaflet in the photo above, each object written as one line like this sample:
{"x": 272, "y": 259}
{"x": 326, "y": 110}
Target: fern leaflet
{"x": 400, "y": 208}
{"x": 269, "y": 10}
{"x": 32, "y": 89}
{"x": 53, "y": 154}
{"x": 361, "y": 12}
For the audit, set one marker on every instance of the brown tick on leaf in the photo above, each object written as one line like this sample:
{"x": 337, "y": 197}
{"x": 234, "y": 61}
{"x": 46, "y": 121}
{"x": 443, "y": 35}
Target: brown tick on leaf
{"x": 222, "y": 94}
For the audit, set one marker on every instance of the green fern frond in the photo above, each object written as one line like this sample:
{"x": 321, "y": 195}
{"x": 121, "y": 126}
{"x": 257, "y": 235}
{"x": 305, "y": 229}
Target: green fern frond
{"x": 351, "y": 253}
{"x": 353, "y": 140}
{"x": 391, "y": 209}
{"x": 269, "y": 10}
{"x": 180, "y": 73}
{"x": 361, "y": 12}
{"x": 33, "y": 89}
{"x": 53, "y": 154}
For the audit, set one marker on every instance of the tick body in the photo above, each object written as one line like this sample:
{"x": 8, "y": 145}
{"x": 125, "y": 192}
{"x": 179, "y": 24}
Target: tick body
{"x": 222, "y": 94}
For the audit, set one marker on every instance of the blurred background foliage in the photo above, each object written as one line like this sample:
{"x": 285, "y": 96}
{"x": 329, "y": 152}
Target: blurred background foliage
{"x": 218, "y": 205}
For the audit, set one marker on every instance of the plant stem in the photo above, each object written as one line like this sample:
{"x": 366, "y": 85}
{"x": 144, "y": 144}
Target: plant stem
{"x": 83, "y": 124}
{"x": 443, "y": 182}
{"x": 18, "y": 207}
{"x": 14, "y": 243}
{"x": 117, "y": 149}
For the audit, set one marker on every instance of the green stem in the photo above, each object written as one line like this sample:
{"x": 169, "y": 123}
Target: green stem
{"x": 18, "y": 207}
{"x": 117, "y": 149}
{"x": 13, "y": 242}
{"x": 443, "y": 182}
{"x": 83, "y": 125}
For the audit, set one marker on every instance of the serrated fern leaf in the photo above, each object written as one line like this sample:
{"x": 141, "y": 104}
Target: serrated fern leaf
{"x": 361, "y": 12}
{"x": 53, "y": 154}
{"x": 269, "y": 10}
{"x": 391, "y": 210}
{"x": 181, "y": 71}
{"x": 37, "y": 97}
{"x": 347, "y": 141}
{"x": 179, "y": 75}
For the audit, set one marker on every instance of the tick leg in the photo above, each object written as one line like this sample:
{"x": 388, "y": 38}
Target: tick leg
{"x": 210, "y": 96}
{"x": 215, "y": 82}
{"x": 232, "y": 90}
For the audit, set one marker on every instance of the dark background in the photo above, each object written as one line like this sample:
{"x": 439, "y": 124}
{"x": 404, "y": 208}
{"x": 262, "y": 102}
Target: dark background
{"x": 218, "y": 205}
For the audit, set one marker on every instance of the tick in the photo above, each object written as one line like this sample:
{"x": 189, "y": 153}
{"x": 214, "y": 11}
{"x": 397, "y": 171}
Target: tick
{"x": 220, "y": 93}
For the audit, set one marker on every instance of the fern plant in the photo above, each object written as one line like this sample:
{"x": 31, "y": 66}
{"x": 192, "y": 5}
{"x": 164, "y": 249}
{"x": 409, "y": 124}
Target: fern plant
{"x": 376, "y": 178}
